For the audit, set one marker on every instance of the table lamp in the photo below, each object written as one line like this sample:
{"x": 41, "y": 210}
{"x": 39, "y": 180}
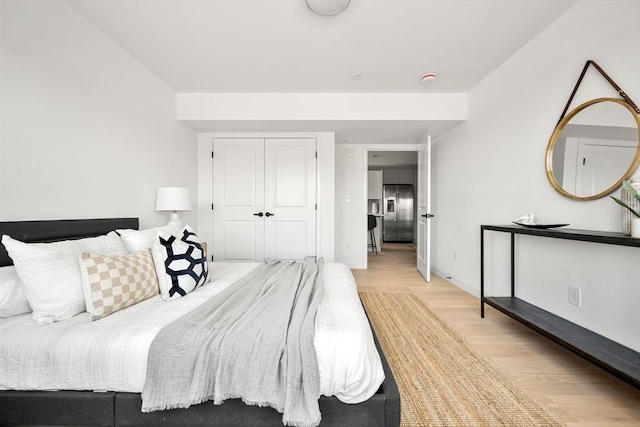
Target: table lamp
{"x": 173, "y": 199}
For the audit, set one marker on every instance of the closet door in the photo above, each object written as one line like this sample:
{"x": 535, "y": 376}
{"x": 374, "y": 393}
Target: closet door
{"x": 238, "y": 199}
{"x": 290, "y": 198}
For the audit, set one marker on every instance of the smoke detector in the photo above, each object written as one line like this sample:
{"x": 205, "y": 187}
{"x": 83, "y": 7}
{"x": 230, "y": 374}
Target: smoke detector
{"x": 429, "y": 78}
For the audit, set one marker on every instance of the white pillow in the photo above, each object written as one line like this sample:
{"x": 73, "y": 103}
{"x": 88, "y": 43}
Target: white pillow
{"x": 13, "y": 301}
{"x": 50, "y": 273}
{"x": 181, "y": 263}
{"x": 137, "y": 240}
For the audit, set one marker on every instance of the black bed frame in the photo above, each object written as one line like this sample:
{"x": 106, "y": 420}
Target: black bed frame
{"x": 74, "y": 408}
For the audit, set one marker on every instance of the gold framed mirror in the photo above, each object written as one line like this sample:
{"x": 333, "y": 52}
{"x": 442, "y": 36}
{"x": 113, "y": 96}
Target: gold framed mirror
{"x": 593, "y": 149}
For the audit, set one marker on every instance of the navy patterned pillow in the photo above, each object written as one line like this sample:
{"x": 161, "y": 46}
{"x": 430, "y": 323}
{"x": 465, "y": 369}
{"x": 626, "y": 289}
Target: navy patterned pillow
{"x": 180, "y": 262}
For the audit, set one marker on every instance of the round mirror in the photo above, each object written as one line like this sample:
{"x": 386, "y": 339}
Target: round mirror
{"x": 593, "y": 149}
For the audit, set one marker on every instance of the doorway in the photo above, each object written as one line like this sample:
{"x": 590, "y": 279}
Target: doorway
{"x": 392, "y": 181}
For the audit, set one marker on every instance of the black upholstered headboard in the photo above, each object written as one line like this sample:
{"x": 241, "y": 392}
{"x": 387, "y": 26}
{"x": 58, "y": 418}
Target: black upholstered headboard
{"x": 55, "y": 230}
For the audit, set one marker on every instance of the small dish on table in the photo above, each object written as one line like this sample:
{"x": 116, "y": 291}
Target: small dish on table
{"x": 532, "y": 225}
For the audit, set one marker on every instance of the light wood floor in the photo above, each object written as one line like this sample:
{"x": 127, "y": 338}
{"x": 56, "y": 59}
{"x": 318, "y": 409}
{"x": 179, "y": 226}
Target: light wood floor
{"x": 579, "y": 393}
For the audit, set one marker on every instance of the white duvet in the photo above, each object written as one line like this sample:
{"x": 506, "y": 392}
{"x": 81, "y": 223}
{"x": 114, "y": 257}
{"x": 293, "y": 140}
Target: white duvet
{"x": 111, "y": 353}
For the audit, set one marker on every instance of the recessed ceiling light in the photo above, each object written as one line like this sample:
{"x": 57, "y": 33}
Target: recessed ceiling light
{"x": 328, "y": 7}
{"x": 357, "y": 77}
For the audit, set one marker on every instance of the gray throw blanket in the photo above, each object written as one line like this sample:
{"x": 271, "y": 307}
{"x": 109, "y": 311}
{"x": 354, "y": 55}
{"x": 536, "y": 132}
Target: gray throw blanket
{"x": 253, "y": 341}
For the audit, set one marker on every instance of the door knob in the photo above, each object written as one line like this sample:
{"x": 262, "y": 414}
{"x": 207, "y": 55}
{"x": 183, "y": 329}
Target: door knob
{"x": 428, "y": 215}
{"x": 258, "y": 214}
{"x": 268, "y": 214}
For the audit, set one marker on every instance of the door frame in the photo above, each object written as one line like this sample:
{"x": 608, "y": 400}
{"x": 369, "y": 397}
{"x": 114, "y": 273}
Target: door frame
{"x": 367, "y": 149}
{"x": 424, "y": 215}
{"x": 325, "y": 184}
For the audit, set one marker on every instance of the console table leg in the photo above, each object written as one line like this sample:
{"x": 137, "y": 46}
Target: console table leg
{"x": 482, "y": 272}
{"x": 513, "y": 268}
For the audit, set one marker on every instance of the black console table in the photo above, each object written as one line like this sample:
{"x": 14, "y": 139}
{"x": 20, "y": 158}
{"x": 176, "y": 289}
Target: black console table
{"x": 615, "y": 358}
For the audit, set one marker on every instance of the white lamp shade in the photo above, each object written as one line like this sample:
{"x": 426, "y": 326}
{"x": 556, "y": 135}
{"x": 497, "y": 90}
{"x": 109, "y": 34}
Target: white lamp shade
{"x": 173, "y": 199}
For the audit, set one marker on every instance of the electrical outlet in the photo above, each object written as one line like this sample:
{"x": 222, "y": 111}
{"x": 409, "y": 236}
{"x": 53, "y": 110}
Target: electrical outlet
{"x": 575, "y": 296}
{"x": 455, "y": 255}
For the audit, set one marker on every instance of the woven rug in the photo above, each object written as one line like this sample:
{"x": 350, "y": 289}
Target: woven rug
{"x": 443, "y": 380}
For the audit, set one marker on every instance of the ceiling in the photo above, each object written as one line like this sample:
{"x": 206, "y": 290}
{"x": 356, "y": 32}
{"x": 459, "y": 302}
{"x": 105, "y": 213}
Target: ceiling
{"x": 281, "y": 46}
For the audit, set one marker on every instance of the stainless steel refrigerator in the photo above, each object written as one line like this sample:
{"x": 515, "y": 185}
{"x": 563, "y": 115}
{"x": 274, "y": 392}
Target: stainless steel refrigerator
{"x": 398, "y": 213}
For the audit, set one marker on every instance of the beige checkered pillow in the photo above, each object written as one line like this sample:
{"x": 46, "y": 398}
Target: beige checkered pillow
{"x": 111, "y": 283}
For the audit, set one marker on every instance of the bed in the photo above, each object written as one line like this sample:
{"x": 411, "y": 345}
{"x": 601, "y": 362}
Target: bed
{"x": 120, "y": 405}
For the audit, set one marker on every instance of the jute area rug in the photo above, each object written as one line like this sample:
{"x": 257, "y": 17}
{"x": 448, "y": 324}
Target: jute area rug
{"x": 443, "y": 380}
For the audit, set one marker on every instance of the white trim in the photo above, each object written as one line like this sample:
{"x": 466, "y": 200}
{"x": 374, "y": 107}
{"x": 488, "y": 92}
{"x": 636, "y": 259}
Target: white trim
{"x": 205, "y": 189}
{"x": 467, "y": 287}
{"x": 325, "y": 167}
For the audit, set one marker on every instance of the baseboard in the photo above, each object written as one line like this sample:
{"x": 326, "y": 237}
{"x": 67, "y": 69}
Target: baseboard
{"x": 467, "y": 287}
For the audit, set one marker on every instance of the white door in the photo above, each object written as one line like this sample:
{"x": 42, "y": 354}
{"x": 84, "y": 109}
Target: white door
{"x": 602, "y": 164}
{"x": 290, "y": 198}
{"x": 264, "y": 196}
{"x": 238, "y": 199}
{"x": 424, "y": 210}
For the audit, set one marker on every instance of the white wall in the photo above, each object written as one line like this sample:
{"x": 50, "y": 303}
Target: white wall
{"x": 490, "y": 170}
{"x": 351, "y": 205}
{"x": 86, "y": 131}
{"x": 322, "y": 106}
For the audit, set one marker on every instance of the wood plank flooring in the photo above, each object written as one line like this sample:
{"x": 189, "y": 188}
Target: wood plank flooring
{"x": 578, "y": 392}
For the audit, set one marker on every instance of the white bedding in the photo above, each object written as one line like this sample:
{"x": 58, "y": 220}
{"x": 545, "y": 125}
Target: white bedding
{"x": 111, "y": 353}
